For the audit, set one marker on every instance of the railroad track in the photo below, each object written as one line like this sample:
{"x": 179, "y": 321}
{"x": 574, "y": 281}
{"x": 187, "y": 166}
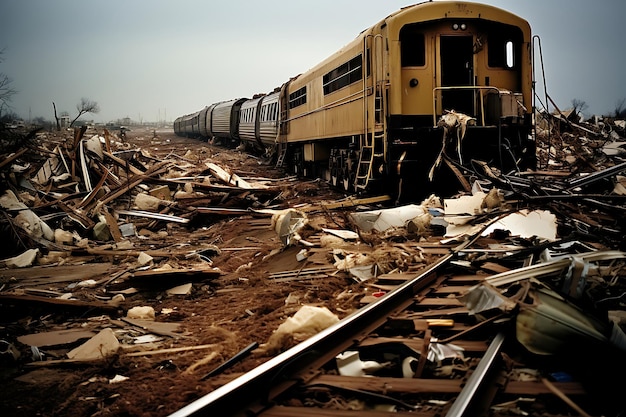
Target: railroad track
{"x": 416, "y": 351}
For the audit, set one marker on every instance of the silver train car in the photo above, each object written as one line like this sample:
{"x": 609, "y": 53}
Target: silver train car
{"x": 258, "y": 122}
{"x": 224, "y": 121}
{"x": 400, "y": 109}
{"x": 188, "y": 125}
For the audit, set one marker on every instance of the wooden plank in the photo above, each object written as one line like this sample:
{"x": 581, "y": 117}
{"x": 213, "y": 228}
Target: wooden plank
{"x": 38, "y": 275}
{"x": 229, "y": 178}
{"x": 171, "y": 350}
{"x": 437, "y": 313}
{"x": 537, "y": 387}
{"x": 348, "y": 202}
{"x": 151, "y": 215}
{"x": 431, "y": 385}
{"x": 13, "y": 157}
{"x": 90, "y": 305}
{"x": 223, "y": 211}
{"x": 197, "y": 274}
{"x": 55, "y": 337}
{"x": 300, "y": 278}
{"x": 382, "y": 287}
{"x": 451, "y": 289}
{"x": 494, "y": 267}
{"x": 285, "y": 411}
{"x": 435, "y": 251}
{"x": 416, "y": 343}
{"x": 397, "y": 276}
{"x": 467, "y": 278}
{"x": 157, "y": 327}
{"x": 393, "y": 385}
{"x": 116, "y": 234}
{"x": 301, "y": 272}
{"x": 439, "y": 302}
{"x": 122, "y": 163}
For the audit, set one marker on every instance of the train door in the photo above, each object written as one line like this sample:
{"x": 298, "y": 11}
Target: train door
{"x": 457, "y": 70}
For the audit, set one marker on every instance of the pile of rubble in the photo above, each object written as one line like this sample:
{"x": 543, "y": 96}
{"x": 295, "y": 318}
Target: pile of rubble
{"x": 120, "y": 253}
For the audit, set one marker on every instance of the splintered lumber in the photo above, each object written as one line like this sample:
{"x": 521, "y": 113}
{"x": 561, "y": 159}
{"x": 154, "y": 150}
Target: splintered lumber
{"x": 413, "y": 385}
{"x": 45, "y": 275}
{"x": 134, "y": 181}
{"x": 348, "y": 202}
{"x": 302, "y": 274}
{"x": 122, "y": 163}
{"x": 397, "y": 276}
{"x": 90, "y": 305}
{"x": 223, "y": 211}
{"x": 171, "y": 277}
{"x": 156, "y": 327}
{"x": 55, "y": 337}
{"x": 151, "y": 215}
{"x": 113, "y": 227}
{"x": 172, "y": 350}
{"x": 169, "y": 273}
{"x": 13, "y": 157}
{"x": 228, "y": 178}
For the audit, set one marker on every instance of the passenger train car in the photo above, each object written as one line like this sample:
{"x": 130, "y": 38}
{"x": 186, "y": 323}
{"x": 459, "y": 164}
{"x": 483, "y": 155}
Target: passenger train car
{"x": 427, "y": 90}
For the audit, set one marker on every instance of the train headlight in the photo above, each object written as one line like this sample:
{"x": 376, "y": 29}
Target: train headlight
{"x": 463, "y": 26}
{"x": 455, "y": 26}
{"x": 413, "y": 82}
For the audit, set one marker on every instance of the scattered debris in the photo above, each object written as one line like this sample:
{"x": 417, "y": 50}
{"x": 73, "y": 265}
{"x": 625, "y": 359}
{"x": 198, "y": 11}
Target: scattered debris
{"x": 168, "y": 256}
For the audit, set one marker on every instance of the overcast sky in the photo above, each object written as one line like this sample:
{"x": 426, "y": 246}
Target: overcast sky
{"x": 158, "y": 59}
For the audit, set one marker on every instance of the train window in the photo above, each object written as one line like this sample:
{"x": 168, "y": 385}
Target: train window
{"x": 412, "y": 46}
{"x": 297, "y": 98}
{"x": 268, "y": 112}
{"x": 343, "y": 75}
{"x": 503, "y": 46}
{"x": 247, "y": 115}
{"x": 509, "y": 54}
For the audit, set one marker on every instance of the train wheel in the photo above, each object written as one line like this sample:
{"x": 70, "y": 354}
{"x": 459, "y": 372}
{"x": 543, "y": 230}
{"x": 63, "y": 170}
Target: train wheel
{"x": 347, "y": 184}
{"x": 347, "y": 178}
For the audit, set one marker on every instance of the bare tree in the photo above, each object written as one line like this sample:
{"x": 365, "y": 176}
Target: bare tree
{"x": 85, "y": 106}
{"x": 579, "y": 106}
{"x": 6, "y": 91}
{"x": 56, "y": 117}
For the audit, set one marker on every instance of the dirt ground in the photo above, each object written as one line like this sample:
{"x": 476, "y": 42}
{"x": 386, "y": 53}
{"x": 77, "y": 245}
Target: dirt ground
{"x": 221, "y": 315}
{"x": 219, "y": 240}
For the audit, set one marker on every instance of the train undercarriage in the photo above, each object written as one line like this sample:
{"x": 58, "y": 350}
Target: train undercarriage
{"x": 415, "y": 161}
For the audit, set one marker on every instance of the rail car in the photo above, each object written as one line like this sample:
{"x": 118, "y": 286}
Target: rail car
{"x": 427, "y": 90}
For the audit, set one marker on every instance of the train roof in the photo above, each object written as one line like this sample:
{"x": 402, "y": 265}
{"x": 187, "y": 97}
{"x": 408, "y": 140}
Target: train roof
{"x": 437, "y": 10}
{"x": 431, "y": 11}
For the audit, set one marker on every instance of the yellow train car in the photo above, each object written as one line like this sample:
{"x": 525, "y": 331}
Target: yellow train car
{"x": 431, "y": 86}
{"x": 401, "y": 109}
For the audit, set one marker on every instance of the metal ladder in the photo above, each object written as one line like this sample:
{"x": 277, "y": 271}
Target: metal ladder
{"x": 282, "y": 151}
{"x": 373, "y": 142}
{"x": 366, "y": 160}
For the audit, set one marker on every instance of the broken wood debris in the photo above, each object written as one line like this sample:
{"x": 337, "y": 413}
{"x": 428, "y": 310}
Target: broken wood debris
{"x": 176, "y": 210}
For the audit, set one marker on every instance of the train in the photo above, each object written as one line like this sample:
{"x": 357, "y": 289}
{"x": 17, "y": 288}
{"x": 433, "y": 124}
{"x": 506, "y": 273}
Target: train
{"x": 410, "y": 102}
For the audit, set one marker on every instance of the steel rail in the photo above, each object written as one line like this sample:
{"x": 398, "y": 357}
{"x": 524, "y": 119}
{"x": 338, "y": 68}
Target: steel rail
{"x": 251, "y": 386}
{"x": 474, "y": 382}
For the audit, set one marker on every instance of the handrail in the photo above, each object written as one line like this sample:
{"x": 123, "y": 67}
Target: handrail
{"x": 545, "y": 91}
{"x": 376, "y": 69}
{"x": 463, "y": 87}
